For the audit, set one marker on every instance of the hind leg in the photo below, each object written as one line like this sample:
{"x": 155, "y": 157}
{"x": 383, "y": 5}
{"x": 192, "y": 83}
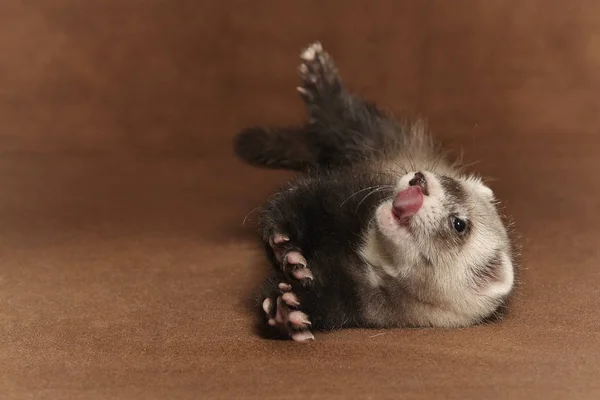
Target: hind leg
{"x": 325, "y": 95}
{"x": 343, "y": 128}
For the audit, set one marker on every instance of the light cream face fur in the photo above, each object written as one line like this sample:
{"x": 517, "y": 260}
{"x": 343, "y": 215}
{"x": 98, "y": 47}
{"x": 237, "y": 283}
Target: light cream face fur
{"x": 456, "y": 278}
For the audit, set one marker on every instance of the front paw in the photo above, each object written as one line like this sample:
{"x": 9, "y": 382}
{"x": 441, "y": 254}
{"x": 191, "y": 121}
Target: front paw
{"x": 282, "y": 310}
{"x": 291, "y": 260}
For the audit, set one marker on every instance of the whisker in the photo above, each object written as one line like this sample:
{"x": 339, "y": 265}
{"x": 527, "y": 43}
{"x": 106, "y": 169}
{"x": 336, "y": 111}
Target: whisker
{"x": 250, "y": 213}
{"x": 391, "y": 174}
{"x": 370, "y": 193}
{"x": 470, "y": 164}
{"x": 372, "y": 148}
{"x": 410, "y": 159}
{"x": 359, "y": 191}
{"x": 401, "y": 166}
{"x": 437, "y": 161}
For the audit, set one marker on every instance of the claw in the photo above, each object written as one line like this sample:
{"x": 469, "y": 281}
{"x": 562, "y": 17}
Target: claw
{"x": 278, "y": 239}
{"x": 304, "y": 92}
{"x": 295, "y": 258}
{"x": 305, "y": 336}
{"x": 303, "y": 273}
{"x": 298, "y": 318}
{"x": 283, "y": 315}
{"x": 290, "y": 299}
{"x": 267, "y": 305}
{"x": 310, "y": 52}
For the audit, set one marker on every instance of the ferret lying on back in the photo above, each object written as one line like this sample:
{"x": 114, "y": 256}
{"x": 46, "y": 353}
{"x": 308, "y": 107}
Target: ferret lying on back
{"x": 378, "y": 229}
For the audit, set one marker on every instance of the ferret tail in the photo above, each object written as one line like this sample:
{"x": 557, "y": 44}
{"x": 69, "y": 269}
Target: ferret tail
{"x": 282, "y": 148}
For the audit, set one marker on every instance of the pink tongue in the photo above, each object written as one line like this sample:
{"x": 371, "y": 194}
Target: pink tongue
{"x": 408, "y": 202}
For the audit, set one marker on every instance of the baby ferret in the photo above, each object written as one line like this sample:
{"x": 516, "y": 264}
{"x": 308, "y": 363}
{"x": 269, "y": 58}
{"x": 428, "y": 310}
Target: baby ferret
{"x": 379, "y": 229}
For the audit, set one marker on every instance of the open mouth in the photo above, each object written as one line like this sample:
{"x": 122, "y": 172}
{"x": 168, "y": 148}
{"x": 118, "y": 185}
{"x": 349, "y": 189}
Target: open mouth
{"x": 410, "y": 200}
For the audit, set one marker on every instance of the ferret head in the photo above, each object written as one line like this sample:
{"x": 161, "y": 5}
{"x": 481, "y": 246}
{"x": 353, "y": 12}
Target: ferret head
{"x": 447, "y": 239}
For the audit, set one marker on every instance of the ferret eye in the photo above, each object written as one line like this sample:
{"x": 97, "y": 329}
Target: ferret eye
{"x": 459, "y": 225}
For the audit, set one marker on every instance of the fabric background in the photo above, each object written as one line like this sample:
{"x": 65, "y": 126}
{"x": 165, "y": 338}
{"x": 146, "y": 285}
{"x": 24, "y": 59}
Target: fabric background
{"x": 125, "y": 268}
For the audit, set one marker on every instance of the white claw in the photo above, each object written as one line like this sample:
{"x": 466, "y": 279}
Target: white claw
{"x": 284, "y": 287}
{"x": 278, "y": 239}
{"x": 266, "y": 305}
{"x": 304, "y": 336}
{"x": 308, "y": 54}
{"x": 302, "y": 273}
{"x": 298, "y": 318}
{"x": 311, "y": 51}
{"x": 303, "y": 91}
{"x": 290, "y": 299}
{"x": 294, "y": 257}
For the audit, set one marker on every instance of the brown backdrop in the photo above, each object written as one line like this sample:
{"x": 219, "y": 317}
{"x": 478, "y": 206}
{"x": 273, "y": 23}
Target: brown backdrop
{"x": 125, "y": 265}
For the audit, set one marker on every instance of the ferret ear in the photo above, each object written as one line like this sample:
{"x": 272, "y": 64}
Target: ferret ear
{"x": 482, "y": 188}
{"x": 504, "y": 279}
{"x": 487, "y": 192}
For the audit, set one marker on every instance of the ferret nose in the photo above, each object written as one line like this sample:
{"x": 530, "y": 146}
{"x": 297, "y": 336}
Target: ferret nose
{"x": 418, "y": 179}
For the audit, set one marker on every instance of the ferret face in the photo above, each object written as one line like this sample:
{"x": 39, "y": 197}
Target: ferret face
{"x": 446, "y": 233}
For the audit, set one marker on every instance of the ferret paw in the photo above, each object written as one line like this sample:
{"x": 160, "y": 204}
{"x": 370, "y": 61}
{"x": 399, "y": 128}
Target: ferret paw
{"x": 318, "y": 72}
{"x": 291, "y": 261}
{"x": 283, "y": 313}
